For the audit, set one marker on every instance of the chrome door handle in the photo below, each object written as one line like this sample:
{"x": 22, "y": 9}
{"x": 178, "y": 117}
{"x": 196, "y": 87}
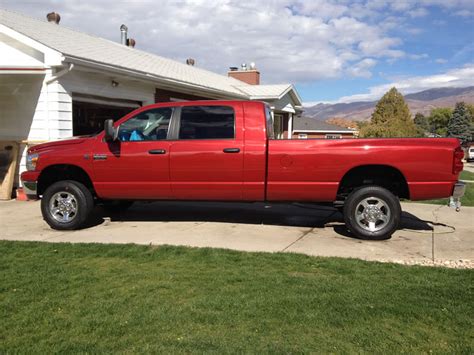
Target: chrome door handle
{"x": 157, "y": 151}
{"x": 99, "y": 156}
{"x": 231, "y": 150}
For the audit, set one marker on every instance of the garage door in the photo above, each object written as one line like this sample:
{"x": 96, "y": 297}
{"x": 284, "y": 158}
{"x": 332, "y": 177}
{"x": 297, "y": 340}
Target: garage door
{"x": 89, "y": 113}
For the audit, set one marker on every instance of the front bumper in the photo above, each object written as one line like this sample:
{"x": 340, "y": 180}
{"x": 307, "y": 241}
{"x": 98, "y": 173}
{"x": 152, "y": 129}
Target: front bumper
{"x": 30, "y": 188}
{"x": 29, "y": 181}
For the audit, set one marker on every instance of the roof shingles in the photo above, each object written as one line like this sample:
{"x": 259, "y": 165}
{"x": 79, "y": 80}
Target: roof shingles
{"x": 310, "y": 124}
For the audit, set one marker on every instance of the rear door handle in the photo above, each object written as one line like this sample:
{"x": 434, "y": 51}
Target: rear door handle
{"x": 231, "y": 150}
{"x": 157, "y": 151}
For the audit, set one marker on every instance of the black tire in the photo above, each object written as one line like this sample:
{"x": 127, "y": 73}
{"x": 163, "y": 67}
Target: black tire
{"x": 116, "y": 205}
{"x": 372, "y": 213}
{"x": 82, "y": 201}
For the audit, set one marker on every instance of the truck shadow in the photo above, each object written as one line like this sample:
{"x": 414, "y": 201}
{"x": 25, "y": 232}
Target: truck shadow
{"x": 280, "y": 214}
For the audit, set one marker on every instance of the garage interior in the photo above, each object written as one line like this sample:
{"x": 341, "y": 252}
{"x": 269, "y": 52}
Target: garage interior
{"x": 89, "y": 112}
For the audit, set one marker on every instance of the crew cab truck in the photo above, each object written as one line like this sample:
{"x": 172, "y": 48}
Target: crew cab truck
{"x": 226, "y": 151}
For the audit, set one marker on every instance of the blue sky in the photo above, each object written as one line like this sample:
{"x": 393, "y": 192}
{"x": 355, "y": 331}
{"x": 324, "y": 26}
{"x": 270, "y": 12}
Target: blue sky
{"x": 331, "y": 50}
{"x": 437, "y": 41}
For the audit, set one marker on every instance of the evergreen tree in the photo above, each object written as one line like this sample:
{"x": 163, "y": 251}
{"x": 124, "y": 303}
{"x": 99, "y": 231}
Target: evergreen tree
{"x": 470, "y": 108}
{"x": 459, "y": 125}
{"x": 391, "y": 118}
{"x": 422, "y": 124}
{"x": 439, "y": 119}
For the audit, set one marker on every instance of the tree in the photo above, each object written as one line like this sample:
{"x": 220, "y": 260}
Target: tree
{"x": 459, "y": 125}
{"x": 439, "y": 119}
{"x": 422, "y": 124}
{"x": 470, "y": 108}
{"x": 342, "y": 122}
{"x": 391, "y": 118}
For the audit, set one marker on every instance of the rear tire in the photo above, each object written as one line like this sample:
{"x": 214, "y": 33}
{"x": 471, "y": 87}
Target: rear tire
{"x": 372, "y": 213}
{"x": 66, "y": 205}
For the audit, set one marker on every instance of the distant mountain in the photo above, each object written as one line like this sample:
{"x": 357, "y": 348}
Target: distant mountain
{"x": 423, "y": 101}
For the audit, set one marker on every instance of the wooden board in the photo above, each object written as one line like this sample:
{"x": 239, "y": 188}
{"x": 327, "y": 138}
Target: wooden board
{"x": 8, "y": 164}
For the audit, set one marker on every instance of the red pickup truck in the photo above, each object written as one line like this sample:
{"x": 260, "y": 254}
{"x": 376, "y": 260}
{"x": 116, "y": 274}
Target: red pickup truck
{"x": 226, "y": 151}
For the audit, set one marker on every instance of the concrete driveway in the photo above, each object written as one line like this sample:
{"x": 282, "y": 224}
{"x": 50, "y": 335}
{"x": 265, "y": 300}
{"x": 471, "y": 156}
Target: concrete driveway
{"x": 429, "y": 232}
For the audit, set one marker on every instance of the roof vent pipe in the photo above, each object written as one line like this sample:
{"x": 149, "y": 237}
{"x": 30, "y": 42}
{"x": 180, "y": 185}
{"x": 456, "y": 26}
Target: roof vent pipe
{"x": 53, "y": 17}
{"x": 123, "y": 31}
{"x": 131, "y": 42}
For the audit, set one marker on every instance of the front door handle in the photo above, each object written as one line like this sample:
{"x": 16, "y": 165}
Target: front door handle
{"x": 231, "y": 150}
{"x": 157, "y": 151}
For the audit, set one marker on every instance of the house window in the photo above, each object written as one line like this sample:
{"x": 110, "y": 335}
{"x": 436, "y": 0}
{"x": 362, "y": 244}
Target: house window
{"x": 333, "y": 136}
{"x": 302, "y": 136}
{"x": 207, "y": 122}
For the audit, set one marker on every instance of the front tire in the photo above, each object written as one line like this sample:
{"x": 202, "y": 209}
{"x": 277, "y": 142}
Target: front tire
{"x": 66, "y": 205}
{"x": 372, "y": 213}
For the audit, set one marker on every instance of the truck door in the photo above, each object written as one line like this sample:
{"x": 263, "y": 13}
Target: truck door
{"x": 136, "y": 166}
{"x": 206, "y": 161}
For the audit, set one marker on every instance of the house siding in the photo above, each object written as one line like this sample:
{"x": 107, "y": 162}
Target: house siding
{"x": 53, "y": 119}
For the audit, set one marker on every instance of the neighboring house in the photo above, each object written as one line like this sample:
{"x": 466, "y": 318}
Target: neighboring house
{"x": 57, "y": 82}
{"x": 304, "y": 127}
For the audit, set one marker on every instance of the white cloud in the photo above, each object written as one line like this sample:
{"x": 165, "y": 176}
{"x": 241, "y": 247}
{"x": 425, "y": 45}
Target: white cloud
{"x": 441, "y": 61}
{"x": 418, "y": 56}
{"x": 362, "y": 69}
{"x": 419, "y": 12}
{"x": 458, "y": 77}
{"x": 464, "y": 13}
{"x": 290, "y": 40}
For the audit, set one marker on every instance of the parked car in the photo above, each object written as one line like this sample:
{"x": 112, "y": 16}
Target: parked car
{"x": 226, "y": 151}
{"x": 470, "y": 154}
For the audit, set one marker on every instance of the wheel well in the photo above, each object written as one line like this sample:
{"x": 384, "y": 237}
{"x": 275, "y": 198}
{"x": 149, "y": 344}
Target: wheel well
{"x": 381, "y": 175}
{"x": 55, "y": 173}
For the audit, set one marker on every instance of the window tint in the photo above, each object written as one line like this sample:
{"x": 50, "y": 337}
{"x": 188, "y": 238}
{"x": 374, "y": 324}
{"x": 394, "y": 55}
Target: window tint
{"x": 207, "y": 122}
{"x": 151, "y": 125}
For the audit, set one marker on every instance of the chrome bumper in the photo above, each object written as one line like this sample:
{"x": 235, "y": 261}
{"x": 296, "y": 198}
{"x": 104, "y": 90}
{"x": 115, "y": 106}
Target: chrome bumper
{"x": 459, "y": 189}
{"x": 30, "y": 189}
{"x": 458, "y": 192}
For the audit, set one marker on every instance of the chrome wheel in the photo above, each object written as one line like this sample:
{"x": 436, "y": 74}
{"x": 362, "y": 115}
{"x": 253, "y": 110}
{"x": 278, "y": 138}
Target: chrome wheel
{"x": 63, "y": 207}
{"x": 372, "y": 214}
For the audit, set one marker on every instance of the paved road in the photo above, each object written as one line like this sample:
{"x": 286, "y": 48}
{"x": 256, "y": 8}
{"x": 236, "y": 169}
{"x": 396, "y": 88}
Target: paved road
{"x": 312, "y": 230}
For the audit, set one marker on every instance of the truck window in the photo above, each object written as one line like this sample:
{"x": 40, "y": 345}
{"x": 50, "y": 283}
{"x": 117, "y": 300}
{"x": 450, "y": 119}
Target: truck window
{"x": 207, "y": 122}
{"x": 150, "y": 125}
{"x": 270, "y": 125}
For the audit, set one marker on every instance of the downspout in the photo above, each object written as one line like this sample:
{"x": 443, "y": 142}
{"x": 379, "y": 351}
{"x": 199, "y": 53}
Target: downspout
{"x": 49, "y": 81}
{"x": 60, "y": 74}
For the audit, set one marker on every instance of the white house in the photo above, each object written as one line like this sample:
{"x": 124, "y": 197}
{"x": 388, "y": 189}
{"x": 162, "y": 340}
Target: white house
{"x": 56, "y": 82}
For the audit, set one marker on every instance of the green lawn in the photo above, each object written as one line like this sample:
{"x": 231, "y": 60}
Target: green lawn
{"x": 123, "y": 298}
{"x": 466, "y": 200}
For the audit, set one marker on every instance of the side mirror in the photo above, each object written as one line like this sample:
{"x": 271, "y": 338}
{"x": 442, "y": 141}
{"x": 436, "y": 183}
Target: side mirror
{"x": 111, "y": 133}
